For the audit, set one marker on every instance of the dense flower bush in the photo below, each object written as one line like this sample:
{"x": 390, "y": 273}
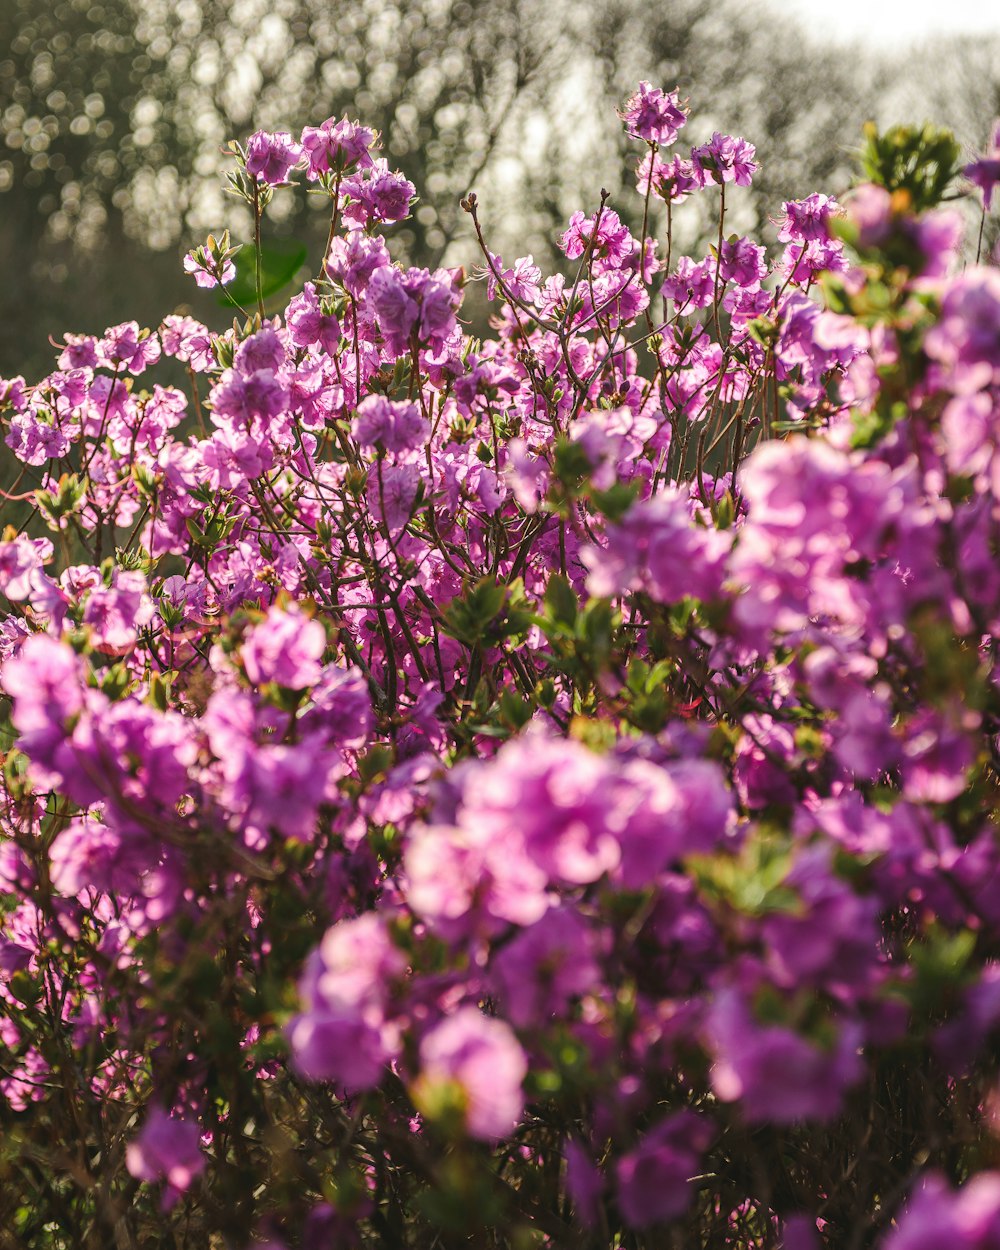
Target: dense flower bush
{"x": 537, "y": 790}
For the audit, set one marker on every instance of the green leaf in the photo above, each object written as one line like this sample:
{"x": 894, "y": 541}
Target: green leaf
{"x": 468, "y": 618}
{"x": 920, "y": 162}
{"x": 614, "y": 502}
{"x": 280, "y": 261}
{"x": 560, "y": 599}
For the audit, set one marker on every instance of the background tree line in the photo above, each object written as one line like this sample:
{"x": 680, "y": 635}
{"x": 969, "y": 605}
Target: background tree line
{"x": 113, "y": 114}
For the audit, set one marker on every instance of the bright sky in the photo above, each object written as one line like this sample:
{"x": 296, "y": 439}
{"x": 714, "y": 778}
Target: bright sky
{"x": 888, "y": 22}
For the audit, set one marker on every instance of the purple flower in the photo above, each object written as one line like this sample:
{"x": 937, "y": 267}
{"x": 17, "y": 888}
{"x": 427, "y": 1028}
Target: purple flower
{"x": 484, "y": 1059}
{"x": 395, "y": 425}
{"x": 264, "y": 350}
{"x": 167, "y": 1148}
{"x": 807, "y": 220}
{"x": 985, "y": 171}
{"x": 188, "y": 340}
{"x": 965, "y": 341}
{"x": 760, "y": 778}
{"x": 309, "y": 325}
{"x": 271, "y": 156}
{"x": 522, "y": 280}
{"x": 282, "y": 787}
{"x": 285, "y": 648}
{"x": 115, "y": 613}
{"x": 353, "y": 260}
{"x": 127, "y": 345}
{"x": 935, "y": 236}
{"x": 775, "y": 1075}
{"x": 376, "y": 195}
{"x": 339, "y": 1046}
{"x": 544, "y": 966}
{"x": 653, "y": 115}
{"x": 742, "y": 261}
{"x": 691, "y": 285}
{"x": 45, "y": 680}
{"x": 340, "y": 708}
{"x": 231, "y": 457}
{"x": 664, "y": 812}
{"x": 392, "y": 493}
{"x": 584, "y": 1183}
{"x": 344, "y": 1033}
{"x": 725, "y": 159}
{"x": 799, "y": 1233}
{"x": 937, "y": 755}
{"x": 80, "y": 352}
{"x": 658, "y": 548}
{"x": 87, "y": 855}
{"x": 240, "y": 398}
{"x": 672, "y": 181}
{"x": 557, "y": 797}
{"x": 336, "y": 146}
{"x": 415, "y": 307}
{"x": 21, "y": 560}
{"x": 603, "y": 238}
{"x": 654, "y": 1179}
{"x": 458, "y": 878}
{"x": 936, "y": 1216}
{"x": 207, "y": 272}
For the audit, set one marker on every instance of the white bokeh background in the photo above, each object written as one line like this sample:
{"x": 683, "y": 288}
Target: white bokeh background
{"x": 885, "y": 23}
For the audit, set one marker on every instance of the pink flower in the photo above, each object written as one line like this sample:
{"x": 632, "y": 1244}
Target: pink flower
{"x": 21, "y": 560}
{"x": 807, "y": 220}
{"x": 936, "y": 1216}
{"x": 127, "y": 345}
{"x": 397, "y": 426}
{"x": 414, "y": 306}
{"x": 985, "y": 171}
{"x": 654, "y": 1179}
{"x": 336, "y": 146}
{"x": 206, "y": 273}
{"x": 545, "y": 966}
{"x": 603, "y": 238}
{"x": 339, "y": 1046}
{"x": 344, "y": 1035}
{"x": 271, "y": 156}
{"x": 188, "y": 340}
{"x": 653, "y": 115}
{"x": 376, "y": 195}
{"x": 308, "y": 323}
{"x": 725, "y": 159}
{"x": 167, "y": 1148}
{"x": 352, "y": 260}
{"x": 285, "y": 648}
{"x": 484, "y": 1058}
{"x": 776, "y": 1075}
{"x": 672, "y": 180}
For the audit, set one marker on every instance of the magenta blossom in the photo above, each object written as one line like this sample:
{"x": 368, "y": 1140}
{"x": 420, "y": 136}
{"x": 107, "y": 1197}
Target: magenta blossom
{"x": 415, "y": 308}
{"x": 484, "y": 1059}
{"x": 208, "y": 273}
{"x": 985, "y": 170}
{"x": 285, "y": 648}
{"x": 336, "y": 146}
{"x": 271, "y": 156}
{"x": 167, "y": 1148}
{"x": 654, "y": 1179}
{"x": 937, "y": 1216}
{"x": 653, "y": 115}
{"x": 725, "y": 159}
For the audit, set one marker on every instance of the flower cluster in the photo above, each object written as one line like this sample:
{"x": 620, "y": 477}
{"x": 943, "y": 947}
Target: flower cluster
{"x": 513, "y": 790}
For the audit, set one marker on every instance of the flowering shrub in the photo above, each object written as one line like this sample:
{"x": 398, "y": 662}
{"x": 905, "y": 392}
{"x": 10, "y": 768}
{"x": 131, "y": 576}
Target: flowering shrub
{"x": 524, "y": 791}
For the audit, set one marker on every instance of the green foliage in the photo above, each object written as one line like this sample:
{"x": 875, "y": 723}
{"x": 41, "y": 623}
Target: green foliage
{"x": 919, "y": 162}
{"x": 280, "y": 262}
